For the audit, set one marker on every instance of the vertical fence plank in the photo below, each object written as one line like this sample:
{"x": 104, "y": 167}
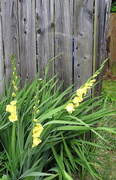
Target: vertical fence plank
{"x": 113, "y": 44}
{"x": 1, "y": 62}
{"x": 45, "y": 34}
{"x": 27, "y": 37}
{"x": 10, "y": 33}
{"x": 63, "y": 41}
{"x": 95, "y": 35}
{"x": 83, "y": 33}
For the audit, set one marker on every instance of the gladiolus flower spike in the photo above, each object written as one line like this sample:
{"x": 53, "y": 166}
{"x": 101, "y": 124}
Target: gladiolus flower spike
{"x": 82, "y": 91}
{"x": 79, "y": 96}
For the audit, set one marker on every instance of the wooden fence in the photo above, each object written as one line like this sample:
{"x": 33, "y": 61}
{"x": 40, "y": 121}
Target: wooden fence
{"x": 35, "y": 31}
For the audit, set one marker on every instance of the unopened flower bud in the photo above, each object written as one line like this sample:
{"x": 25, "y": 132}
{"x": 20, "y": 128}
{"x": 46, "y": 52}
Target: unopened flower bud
{"x": 13, "y": 94}
{"x": 37, "y": 111}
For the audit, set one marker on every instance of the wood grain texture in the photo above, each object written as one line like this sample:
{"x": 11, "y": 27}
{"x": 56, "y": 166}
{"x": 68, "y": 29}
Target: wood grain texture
{"x": 45, "y": 34}
{"x": 83, "y": 33}
{"x": 10, "y": 33}
{"x": 1, "y": 61}
{"x": 63, "y": 41}
{"x": 27, "y": 39}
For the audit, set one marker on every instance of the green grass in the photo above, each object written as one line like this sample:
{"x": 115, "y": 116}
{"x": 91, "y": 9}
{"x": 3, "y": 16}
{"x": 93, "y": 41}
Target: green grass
{"x": 109, "y": 91}
{"x": 109, "y": 155}
{"x": 109, "y": 161}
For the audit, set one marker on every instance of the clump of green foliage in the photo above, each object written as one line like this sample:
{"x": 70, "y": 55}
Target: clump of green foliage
{"x": 62, "y": 150}
{"x": 113, "y": 7}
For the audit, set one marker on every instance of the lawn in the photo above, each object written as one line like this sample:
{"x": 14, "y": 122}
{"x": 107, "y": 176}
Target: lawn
{"x": 109, "y": 91}
{"x": 109, "y": 159}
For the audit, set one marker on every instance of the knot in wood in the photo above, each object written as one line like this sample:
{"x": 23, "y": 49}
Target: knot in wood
{"x": 39, "y": 31}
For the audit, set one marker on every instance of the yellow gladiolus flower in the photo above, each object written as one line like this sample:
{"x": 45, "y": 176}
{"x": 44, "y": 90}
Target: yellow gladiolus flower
{"x": 84, "y": 90}
{"x": 36, "y": 141}
{"x": 13, "y": 102}
{"x": 11, "y": 108}
{"x": 13, "y": 117}
{"x": 77, "y": 99}
{"x": 76, "y": 105}
{"x": 88, "y": 84}
{"x": 92, "y": 81}
{"x": 37, "y": 130}
{"x": 95, "y": 75}
{"x": 70, "y": 108}
{"x": 79, "y": 92}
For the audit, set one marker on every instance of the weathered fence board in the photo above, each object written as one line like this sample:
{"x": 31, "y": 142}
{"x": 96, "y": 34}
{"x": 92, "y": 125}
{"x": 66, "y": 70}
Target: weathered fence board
{"x": 63, "y": 41}
{"x": 27, "y": 39}
{"x": 45, "y": 34}
{"x": 83, "y": 28}
{"x": 35, "y": 31}
{"x": 10, "y": 33}
{"x": 113, "y": 44}
{"x": 1, "y": 61}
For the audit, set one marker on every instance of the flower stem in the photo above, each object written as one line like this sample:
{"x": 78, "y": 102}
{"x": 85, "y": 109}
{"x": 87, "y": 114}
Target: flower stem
{"x": 13, "y": 141}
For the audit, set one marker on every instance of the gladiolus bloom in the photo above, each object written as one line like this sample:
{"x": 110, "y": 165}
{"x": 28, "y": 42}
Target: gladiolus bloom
{"x": 13, "y": 102}
{"x": 36, "y": 133}
{"x": 84, "y": 90}
{"x": 11, "y": 108}
{"x": 92, "y": 81}
{"x": 79, "y": 92}
{"x": 89, "y": 85}
{"x": 77, "y": 99}
{"x": 37, "y": 130}
{"x": 70, "y": 108}
{"x": 36, "y": 141}
{"x": 13, "y": 117}
{"x": 76, "y": 105}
